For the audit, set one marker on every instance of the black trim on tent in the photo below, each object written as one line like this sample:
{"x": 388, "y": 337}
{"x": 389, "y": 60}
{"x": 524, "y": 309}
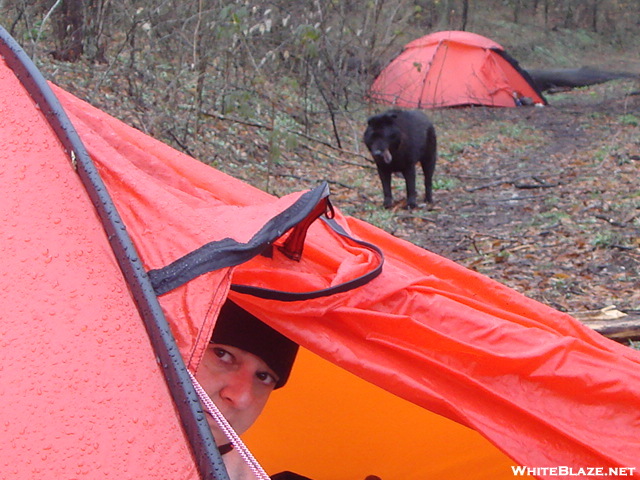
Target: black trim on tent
{"x": 333, "y": 290}
{"x": 228, "y": 252}
{"x": 207, "y": 456}
{"x": 514, "y": 63}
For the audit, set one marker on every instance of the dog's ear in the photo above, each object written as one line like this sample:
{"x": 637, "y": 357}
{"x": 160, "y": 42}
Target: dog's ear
{"x": 381, "y": 120}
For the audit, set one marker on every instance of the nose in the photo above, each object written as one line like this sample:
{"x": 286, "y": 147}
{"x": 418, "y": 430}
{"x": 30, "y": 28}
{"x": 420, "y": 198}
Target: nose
{"x": 238, "y": 390}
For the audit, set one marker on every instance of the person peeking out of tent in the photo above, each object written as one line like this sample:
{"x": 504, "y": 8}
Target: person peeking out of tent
{"x": 245, "y": 361}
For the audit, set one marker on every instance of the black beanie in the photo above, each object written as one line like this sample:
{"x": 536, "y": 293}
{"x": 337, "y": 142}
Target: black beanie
{"x": 238, "y": 328}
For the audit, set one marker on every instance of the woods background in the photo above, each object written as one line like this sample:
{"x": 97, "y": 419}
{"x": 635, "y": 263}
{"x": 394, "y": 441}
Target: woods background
{"x": 279, "y": 61}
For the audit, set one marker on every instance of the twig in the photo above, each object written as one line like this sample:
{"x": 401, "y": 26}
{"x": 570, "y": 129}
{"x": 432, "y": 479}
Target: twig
{"x": 298, "y": 177}
{"x": 514, "y": 199}
{"x": 623, "y": 247}
{"x": 408, "y": 216}
{"x": 338, "y": 159}
{"x": 611, "y": 221}
{"x": 184, "y": 147}
{"x": 96, "y": 87}
{"x": 486, "y": 185}
{"x": 268, "y": 127}
{"x": 46, "y": 17}
{"x": 539, "y": 185}
{"x": 514, "y": 182}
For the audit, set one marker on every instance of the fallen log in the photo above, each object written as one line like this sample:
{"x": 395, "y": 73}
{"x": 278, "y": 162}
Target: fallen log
{"x": 549, "y": 80}
{"x": 611, "y": 322}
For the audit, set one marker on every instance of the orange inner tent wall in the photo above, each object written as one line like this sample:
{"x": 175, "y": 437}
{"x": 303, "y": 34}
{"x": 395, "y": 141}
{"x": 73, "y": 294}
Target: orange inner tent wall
{"x": 328, "y": 424}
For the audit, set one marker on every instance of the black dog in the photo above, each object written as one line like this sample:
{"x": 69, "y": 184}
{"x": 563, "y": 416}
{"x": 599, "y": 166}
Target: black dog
{"x": 397, "y": 140}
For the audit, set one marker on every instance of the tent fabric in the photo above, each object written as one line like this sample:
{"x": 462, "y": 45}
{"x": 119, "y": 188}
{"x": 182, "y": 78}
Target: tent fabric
{"x": 82, "y": 394}
{"x": 182, "y": 392}
{"x": 536, "y": 383}
{"x": 186, "y": 205}
{"x": 453, "y": 68}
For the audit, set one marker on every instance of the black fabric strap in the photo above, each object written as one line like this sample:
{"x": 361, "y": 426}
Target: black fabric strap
{"x": 325, "y": 292}
{"x": 228, "y": 252}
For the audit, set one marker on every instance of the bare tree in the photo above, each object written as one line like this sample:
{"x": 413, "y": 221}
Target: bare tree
{"x": 444, "y": 14}
{"x": 95, "y": 21}
{"x": 69, "y": 30}
{"x": 465, "y": 14}
{"x": 594, "y": 14}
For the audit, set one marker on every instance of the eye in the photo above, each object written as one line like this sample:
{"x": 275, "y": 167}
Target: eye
{"x": 266, "y": 378}
{"x": 224, "y": 355}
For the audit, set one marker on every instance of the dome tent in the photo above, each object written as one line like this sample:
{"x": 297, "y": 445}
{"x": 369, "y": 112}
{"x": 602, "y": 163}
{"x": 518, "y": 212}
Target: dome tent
{"x": 508, "y": 379}
{"x": 454, "y": 68}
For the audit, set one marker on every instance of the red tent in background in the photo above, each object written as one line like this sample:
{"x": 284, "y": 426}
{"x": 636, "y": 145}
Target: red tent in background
{"x": 96, "y": 333}
{"x": 453, "y": 68}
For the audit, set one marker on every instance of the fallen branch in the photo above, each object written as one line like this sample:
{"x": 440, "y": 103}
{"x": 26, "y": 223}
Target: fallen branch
{"x": 618, "y": 329}
{"x": 513, "y": 199}
{"x": 540, "y": 183}
{"x": 535, "y": 185}
{"x": 613, "y": 222}
{"x": 408, "y": 216}
{"x": 248, "y": 123}
{"x": 611, "y": 322}
{"x": 370, "y": 166}
{"x": 486, "y": 185}
{"x": 547, "y": 80}
{"x": 298, "y": 177}
{"x": 182, "y": 145}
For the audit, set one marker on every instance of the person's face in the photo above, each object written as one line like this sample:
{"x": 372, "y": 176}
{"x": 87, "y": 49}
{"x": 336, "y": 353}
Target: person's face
{"x": 238, "y": 382}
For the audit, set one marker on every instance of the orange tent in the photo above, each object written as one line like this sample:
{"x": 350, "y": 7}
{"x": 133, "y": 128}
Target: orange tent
{"x": 117, "y": 254}
{"x": 452, "y": 68}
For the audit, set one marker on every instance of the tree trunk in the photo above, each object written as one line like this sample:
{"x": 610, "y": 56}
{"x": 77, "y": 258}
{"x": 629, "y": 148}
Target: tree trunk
{"x": 465, "y": 14}
{"x": 96, "y": 14}
{"x": 546, "y": 15}
{"x": 568, "y": 14}
{"x": 444, "y": 20}
{"x": 69, "y": 31}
